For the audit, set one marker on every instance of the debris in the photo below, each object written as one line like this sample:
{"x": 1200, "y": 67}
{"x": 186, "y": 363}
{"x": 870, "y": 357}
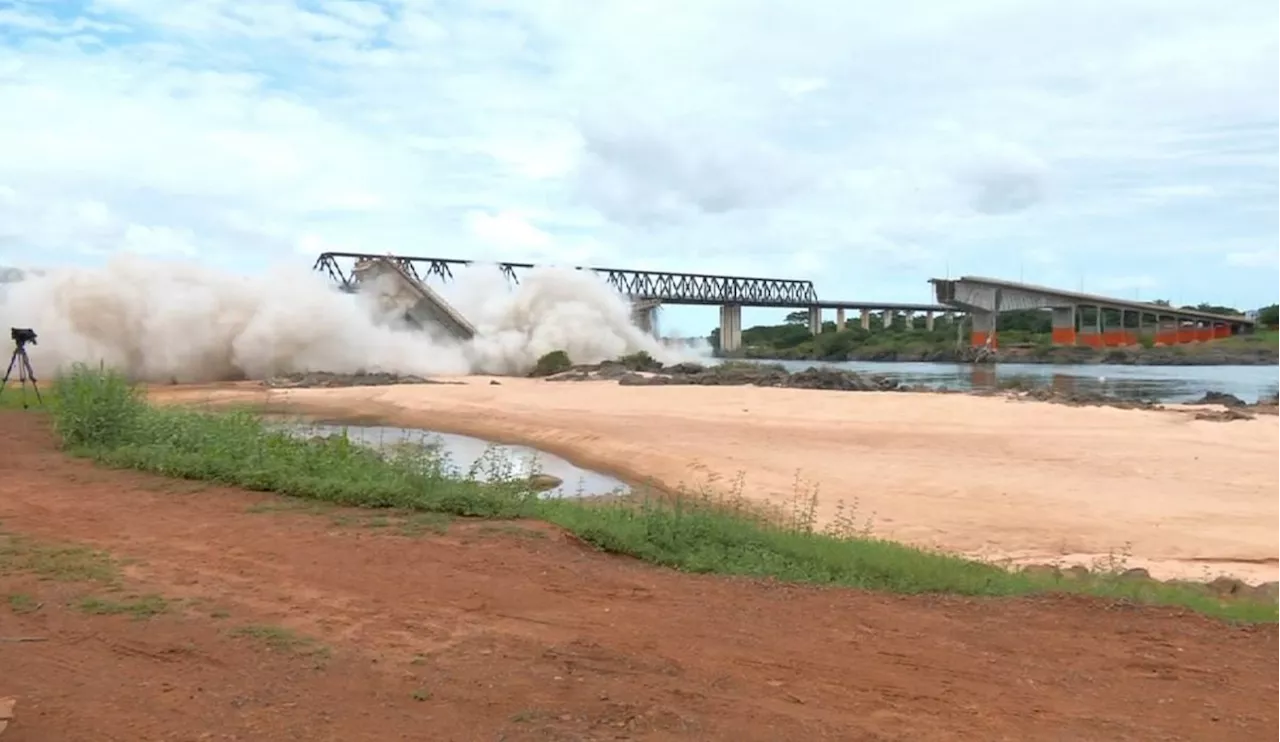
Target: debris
{"x": 6, "y": 711}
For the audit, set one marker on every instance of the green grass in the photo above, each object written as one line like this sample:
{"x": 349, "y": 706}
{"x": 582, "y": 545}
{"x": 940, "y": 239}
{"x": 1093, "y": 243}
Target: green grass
{"x": 139, "y": 607}
{"x": 12, "y": 397}
{"x": 281, "y": 639}
{"x": 101, "y": 416}
{"x": 56, "y": 562}
{"x": 22, "y": 603}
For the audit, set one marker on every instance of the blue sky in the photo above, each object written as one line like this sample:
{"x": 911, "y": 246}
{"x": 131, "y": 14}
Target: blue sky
{"x": 1128, "y": 147}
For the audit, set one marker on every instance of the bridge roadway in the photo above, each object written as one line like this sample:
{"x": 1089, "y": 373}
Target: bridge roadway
{"x": 1082, "y": 319}
{"x": 649, "y": 289}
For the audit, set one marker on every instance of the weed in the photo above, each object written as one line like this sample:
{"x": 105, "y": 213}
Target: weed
{"x": 510, "y": 529}
{"x": 56, "y": 562}
{"x": 140, "y": 607}
{"x": 282, "y": 639}
{"x": 422, "y": 694}
{"x": 22, "y": 603}
{"x": 101, "y": 416}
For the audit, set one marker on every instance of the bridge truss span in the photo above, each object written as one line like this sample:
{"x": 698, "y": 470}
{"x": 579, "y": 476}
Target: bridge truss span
{"x": 661, "y": 286}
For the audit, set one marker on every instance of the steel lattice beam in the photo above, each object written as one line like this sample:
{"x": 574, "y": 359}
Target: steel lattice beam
{"x": 668, "y": 288}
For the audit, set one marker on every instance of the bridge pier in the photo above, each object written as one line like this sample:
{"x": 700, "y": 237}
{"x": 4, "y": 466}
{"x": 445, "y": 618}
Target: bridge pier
{"x": 644, "y": 314}
{"x": 815, "y": 320}
{"x": 866, "y": 319}
{"x": 909, "y": 319}
{"x": 889, "y": 317}
{"x": 730, "y": 328}
{"x": 840, "y": 319}
{"x": 984, "y": 329}
{"x": 928, "y": 321}
{"x": 1064, "y": 325}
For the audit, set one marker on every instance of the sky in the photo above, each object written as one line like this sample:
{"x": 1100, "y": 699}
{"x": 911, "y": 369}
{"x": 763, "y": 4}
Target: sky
{"x": 1125, "y": 147}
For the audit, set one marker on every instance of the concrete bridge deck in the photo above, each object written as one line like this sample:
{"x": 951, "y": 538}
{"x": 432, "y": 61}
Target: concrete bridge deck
{"x": 1082, "y": 319}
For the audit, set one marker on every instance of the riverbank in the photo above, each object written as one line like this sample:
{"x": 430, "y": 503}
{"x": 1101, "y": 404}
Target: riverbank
{"x": 1025, "y": 481}
{"x": 1262, "y": 349}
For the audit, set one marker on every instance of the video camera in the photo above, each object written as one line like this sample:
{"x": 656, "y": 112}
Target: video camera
{"x": 23, "y": 335}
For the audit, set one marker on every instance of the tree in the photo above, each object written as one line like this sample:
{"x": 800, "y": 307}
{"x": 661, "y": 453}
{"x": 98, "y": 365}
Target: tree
{"x": 1269, "y": 317}
{"x": 1214, "y": 309}
{"x": 797, "y": 318}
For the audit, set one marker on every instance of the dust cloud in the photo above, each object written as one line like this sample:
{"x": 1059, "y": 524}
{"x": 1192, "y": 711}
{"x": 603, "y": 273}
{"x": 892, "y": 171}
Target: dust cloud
{"x": 164, "y": 321}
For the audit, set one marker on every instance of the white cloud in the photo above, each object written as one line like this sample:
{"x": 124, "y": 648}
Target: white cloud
{"x": 1266, "y": 258}
{"x": 865, "y": 146}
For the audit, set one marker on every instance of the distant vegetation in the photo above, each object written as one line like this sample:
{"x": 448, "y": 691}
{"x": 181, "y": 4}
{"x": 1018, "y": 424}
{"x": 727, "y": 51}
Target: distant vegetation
{"x": 1031, "y": 329}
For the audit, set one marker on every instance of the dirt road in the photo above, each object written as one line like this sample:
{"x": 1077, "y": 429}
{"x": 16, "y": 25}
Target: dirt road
{"x": 982, "y": 476}
{"x": 244, "y": 616}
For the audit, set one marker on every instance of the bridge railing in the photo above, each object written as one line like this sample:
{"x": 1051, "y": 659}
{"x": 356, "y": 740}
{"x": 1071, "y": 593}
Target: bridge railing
{"x": 670, "y": 288}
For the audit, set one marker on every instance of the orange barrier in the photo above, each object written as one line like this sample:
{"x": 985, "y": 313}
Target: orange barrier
{"x": 978, "y": 338}
{"x": 1091, "y": 339}
{"x": 1064, "y": 336}
{"x": 1186, "y": 334}
{"x": 1113, "y": 338}
{"x": 1167, "y": 337}
{"x": 1222, "y": 331}
{"x": 1204, "y": 333}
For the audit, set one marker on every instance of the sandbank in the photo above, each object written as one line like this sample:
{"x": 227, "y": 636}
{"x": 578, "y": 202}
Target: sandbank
{"x": 1029, "y": 482}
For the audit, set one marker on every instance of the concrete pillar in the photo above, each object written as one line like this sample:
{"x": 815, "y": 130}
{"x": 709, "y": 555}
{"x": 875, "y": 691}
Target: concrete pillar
{"x": 889, "y": 314}
{"x": 815, "y": 320}
{"x": 646, "y": 318}
{"x": 1064, "y": 325}
{"x": 928, "y": 321}
{"x": 730, "y": 328}
{"x": 866, "y": 319}
{"x": 909, "y": 318}
{"x": 839, "y": 319}
{"x": 984, "y": 329}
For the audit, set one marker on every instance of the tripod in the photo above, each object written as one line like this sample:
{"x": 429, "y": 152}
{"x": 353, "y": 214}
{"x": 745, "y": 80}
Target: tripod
{"x": 25, "y": 373}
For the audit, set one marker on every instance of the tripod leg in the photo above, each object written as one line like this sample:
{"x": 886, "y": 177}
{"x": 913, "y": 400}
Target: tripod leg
{"x": 31, "y": 374}
{"x": 12, "y": 360}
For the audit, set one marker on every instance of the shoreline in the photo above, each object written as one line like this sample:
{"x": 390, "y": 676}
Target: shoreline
{"x": 1067, "y": 357}
{"x": 897, "y": 458}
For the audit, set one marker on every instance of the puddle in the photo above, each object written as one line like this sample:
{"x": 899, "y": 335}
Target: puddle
{"x": 482, "y": 459}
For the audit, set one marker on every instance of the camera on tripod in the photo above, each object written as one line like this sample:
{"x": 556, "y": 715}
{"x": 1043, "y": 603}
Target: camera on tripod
{"x": 22, "y": 362}
{"x": 23, "y": 335}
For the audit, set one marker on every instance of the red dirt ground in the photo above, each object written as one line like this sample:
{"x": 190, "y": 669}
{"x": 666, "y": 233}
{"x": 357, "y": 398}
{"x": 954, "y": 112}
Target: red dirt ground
{"x": 517, "y": 632}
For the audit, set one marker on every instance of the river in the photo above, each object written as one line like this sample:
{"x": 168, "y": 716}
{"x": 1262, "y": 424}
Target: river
{"x": 1159, "y": 383}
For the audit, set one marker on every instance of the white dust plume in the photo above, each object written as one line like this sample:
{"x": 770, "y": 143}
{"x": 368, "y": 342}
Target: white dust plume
{"x": 164, "y": 321}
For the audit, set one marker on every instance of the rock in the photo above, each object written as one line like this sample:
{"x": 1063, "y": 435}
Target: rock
{"x": 324, "y": 379}
{"x": 1269, "y": 590}
{"x": 1076, "y": 572}
{"x": 1042, "y": 570}
{"x": 544, "y": 482}
{"x": 6, "y": 711}
{"x": 1222, "y": 398}
{"x": 1136, "y": 573}
{"x": 494, "y": 382}
{"x": 1223, "y": 416}
{"x": 569, "y": 376}
{"x": 1229, "y": 586}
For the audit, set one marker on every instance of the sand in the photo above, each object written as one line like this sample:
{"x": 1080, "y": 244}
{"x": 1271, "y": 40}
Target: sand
{"x": 1029, "y": 482}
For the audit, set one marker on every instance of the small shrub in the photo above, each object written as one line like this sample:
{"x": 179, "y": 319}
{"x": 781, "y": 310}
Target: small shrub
{"x": 96, "y": 408}
{"x": 640, "y": 361}
{"x": 557, "y": 361}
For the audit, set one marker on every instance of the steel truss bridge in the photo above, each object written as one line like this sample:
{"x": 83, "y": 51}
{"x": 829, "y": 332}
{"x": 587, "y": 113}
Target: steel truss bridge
{"x": 653, "y": 286}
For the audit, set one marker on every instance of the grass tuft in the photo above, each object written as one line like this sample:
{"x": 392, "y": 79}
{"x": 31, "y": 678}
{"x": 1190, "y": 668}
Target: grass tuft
{"x": 101, "y": 416}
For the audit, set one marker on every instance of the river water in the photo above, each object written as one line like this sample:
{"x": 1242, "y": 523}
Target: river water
{"x": 1159, "y": 383}
{"x": 476, "y": 458}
